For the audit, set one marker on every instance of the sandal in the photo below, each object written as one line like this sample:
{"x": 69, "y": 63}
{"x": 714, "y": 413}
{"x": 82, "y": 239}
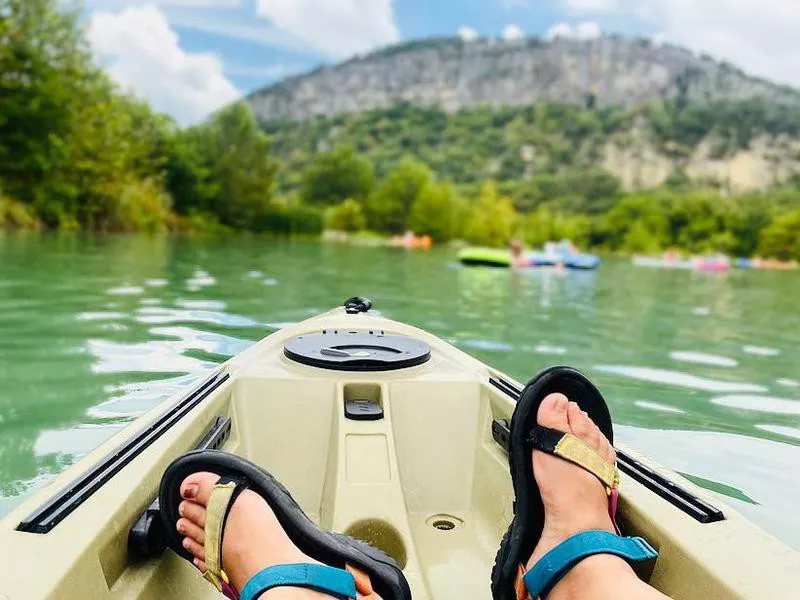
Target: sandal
{"x": 526, "y": 527}
{"x": 337, "y": 552}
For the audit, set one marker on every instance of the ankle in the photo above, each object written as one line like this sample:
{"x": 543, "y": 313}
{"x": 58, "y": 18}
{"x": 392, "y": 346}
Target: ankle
{"x": 594, "y": 577}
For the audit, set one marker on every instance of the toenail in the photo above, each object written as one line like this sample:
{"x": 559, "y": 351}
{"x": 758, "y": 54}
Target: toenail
{"x": 190, "y": 491}
{"x": 186, "y": 543}
{"x": 182, "y": 510}
{"x": 181, "y": 528}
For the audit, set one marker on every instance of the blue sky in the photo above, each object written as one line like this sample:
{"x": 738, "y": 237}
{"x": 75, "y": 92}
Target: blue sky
{"x": 189, "y": 57}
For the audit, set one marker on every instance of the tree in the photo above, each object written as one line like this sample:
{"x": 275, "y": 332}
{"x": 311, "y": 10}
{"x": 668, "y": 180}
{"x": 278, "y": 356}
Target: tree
{"x": 637, "y": 224}
{"x": 388, "y": 208}
{"x": 543, "y": 226}
{"x": 437, "y": 212}
{"x": 346, "y": 216}
{"x": 492, "y": 220}
{"x": 43, "y": 60}
{"x": 336, "y": 176}
{"x": 243, "y": 166}
{"x": 782, "y": 238}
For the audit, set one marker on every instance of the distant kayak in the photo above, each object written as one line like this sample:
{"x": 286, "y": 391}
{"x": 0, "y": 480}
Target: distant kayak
{"x": 695, "y": 264}
{"x": 761, "y": 263}
{"x": 493, "y": 257}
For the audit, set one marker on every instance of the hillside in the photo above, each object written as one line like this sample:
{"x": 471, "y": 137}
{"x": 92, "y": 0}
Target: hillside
{"x": 513, "y": 110}
{"x": 454, "y": 74}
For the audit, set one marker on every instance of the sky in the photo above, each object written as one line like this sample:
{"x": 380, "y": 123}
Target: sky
{"x": 191, "y": 57}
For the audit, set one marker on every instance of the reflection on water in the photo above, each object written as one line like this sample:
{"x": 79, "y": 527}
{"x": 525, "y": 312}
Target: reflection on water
{"x": 768, "y": 404}
{"x": 680, "y": 379}
{"x": 703, "y": 358}
{"x": 699, "y": 371}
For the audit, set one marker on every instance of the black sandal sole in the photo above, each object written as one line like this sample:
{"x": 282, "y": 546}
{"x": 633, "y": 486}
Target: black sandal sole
{"x": 526, "y": 527}
{"x": 332, "y": 549}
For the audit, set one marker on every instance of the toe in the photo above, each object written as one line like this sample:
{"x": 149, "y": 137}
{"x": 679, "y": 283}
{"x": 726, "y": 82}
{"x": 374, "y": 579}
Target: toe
{"x": 578, "y": 425}
{"x": 197, "y": 487}
{"x": 553, "y": 412}
{"x": 201, "y": 565}
{"x": 189, "y": 529}
{"x": 197, "y": 550}
{"x": 193, "y": 512}
{"x": 593, "y": 435}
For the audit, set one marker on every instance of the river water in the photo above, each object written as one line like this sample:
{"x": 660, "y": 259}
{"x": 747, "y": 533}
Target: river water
{"x": 700, "y": 369}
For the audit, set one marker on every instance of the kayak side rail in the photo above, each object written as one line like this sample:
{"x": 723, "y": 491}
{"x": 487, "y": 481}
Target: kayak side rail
{"x": 58, "y": 507}
{"x": 681, "y": 498}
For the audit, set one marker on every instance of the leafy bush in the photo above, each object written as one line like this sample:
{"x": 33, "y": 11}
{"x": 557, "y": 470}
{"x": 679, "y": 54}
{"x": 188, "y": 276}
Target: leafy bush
{"x": 492, "y": 219}
{"x": 346, "y": 216}
{"x": 781, "y": 239}
{"x": 437, "y": 212}
{"x": 335, "y": 176}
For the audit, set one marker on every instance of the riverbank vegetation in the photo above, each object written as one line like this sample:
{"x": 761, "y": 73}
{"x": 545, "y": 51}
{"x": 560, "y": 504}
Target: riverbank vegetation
{"x": 76, "y": 152}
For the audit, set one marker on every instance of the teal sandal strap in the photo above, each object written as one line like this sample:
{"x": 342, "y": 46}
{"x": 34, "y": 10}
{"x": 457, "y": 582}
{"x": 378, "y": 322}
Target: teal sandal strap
{"x": 549, "y": 570}
{"x": 320, "y": 578}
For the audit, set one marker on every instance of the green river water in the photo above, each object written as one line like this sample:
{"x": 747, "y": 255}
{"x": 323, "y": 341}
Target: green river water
{"x": 700, "y": 369}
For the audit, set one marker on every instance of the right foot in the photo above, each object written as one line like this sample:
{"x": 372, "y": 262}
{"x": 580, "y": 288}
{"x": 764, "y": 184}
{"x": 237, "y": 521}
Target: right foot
{"x": 574, "y": 500}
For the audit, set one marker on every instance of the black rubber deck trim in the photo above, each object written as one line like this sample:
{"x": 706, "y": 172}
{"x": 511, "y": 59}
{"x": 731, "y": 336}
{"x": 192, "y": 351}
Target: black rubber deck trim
{"x": 681, "y": 498}
{"x": 57, "y": 508}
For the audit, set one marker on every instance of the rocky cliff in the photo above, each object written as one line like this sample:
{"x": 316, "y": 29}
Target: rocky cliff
{"x": 456, "y": 74}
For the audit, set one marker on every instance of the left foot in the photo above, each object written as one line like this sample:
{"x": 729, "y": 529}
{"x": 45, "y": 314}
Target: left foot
{"x": 253, "y": 539}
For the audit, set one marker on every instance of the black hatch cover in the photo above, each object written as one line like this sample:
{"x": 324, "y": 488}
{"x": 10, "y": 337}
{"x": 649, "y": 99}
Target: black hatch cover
{"x": 357, "y": 350}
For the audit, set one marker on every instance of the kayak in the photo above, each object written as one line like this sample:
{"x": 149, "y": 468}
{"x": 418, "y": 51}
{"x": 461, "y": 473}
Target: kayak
{"x": 381, "y": 431}
{"x": 493, "y": 257}
{"x": 693, "y": 264}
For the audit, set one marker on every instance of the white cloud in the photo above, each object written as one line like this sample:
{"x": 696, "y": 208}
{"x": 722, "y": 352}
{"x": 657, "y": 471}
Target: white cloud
{"x": 579, "y": 7}
{"x": 587, "y": 30}
{"x": 560, "y": 30}
{"x": 143, "y": 54}
{"x": 119, "y": 4}
{"x": 339, "y": 28}
{"x": 513, "y": 32}
{"x": 468, "y": 34}
{"x": 760, "y": 37}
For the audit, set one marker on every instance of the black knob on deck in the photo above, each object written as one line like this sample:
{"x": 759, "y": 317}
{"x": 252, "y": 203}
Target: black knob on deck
{"x": 357, "y": 304}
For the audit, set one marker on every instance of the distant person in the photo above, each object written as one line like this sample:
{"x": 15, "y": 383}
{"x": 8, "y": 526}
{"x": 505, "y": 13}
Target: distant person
{"x": 517, "y": 257}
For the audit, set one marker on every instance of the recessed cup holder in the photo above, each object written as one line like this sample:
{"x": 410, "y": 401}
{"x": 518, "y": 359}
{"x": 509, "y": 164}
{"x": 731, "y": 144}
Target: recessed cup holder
{"x": 381, "y": 535}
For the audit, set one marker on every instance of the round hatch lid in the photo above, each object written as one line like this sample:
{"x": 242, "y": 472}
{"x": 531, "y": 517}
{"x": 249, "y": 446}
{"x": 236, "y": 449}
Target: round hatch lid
{"x": 357, "y": 350}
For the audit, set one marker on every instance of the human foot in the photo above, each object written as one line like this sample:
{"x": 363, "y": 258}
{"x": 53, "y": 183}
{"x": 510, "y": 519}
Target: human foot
{"x": 253, "y": 539}
{"x": 574, "y": 499}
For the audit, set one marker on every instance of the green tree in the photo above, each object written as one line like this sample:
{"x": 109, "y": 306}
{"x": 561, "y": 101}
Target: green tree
{"x": 389, "y": 206}
{"x": 43, "y": 60}
{"x": 336, "y": 176}
{"x": 243, "y": 166}
{"x": 492, "y": 219}
{"x": 347, "y": 216}
{"x": 637, "y": 224}
{"x": 543, "y": 226}
{"x": 437, "y": 212}
{"x": 781, "y": 239}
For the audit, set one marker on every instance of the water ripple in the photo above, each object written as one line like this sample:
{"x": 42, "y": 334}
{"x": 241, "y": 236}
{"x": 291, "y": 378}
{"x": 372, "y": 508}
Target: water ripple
{"x": 701, "y": 358}
{"x": 679, "y": 378}
{"x": 769, "y": 404}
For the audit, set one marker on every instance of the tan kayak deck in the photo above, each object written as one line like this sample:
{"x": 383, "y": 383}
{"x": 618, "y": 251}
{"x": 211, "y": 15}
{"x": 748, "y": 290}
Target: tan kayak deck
{"x": 427, "y": 483}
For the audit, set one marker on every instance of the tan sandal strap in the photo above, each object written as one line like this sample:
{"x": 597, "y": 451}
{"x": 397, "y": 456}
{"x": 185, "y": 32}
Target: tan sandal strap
{"x": 216, "y": 510}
